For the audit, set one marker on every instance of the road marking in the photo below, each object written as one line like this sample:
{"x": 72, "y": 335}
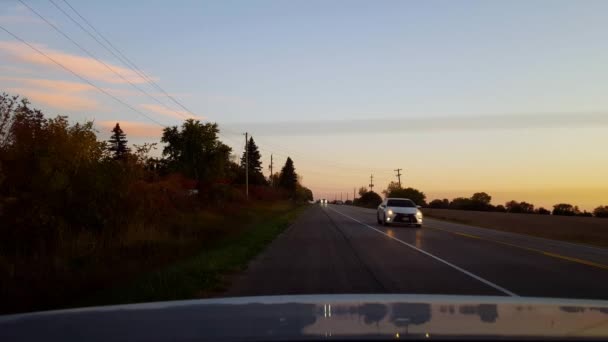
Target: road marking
{"x": 539, "y": 251}
{"x": 487, "y": 282}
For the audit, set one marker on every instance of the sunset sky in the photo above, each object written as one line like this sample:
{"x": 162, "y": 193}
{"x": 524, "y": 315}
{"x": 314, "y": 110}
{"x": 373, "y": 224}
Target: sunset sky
{"x": 507, "y": 97}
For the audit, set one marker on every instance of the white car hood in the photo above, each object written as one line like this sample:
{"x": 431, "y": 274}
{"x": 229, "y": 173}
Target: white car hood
{"x": 403, "y": 210}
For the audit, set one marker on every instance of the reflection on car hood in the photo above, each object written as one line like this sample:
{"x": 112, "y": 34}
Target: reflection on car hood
{"x": 318, "y": 317}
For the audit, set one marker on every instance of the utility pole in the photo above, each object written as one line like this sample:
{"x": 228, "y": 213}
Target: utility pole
{"x": 340, "y": 196}
{"x": 399, "y": 176}
{"x": 354, "y": 191}
{"x": 246, "y": 166}
{"x": 371, "y": 183}
{"x": 271, "y": 174}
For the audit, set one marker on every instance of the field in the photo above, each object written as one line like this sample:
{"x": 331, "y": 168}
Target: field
{"x": 585, "y": 230}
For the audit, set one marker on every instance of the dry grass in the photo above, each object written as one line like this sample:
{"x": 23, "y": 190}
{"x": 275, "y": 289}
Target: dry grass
{"x": 586, "y": 230}
{"x": 86, "y": 263}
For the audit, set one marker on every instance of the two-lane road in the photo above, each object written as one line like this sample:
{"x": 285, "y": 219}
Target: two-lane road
{"x": 341, "y": 249}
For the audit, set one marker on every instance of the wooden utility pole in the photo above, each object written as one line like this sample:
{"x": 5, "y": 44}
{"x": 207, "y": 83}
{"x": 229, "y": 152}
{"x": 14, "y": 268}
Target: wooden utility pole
{"x": 246, "y": 166}
{"x": 371, "y": 183}
{"x": 271, "y": 174}
{"x": 399, "y": 176}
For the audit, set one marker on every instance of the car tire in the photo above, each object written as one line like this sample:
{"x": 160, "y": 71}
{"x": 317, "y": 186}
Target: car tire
{"x": 418, "y": 226}
{"x": 378, "y": 218}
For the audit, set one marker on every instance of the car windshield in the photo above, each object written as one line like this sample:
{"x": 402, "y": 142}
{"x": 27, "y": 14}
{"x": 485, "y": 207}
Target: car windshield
{"x": 403, "y": 203}
{"x": 153, "y": 151}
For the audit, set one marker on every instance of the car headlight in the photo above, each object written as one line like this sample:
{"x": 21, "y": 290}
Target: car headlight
{"x": 390, "y": 212}
{"x": 418, "y": 213}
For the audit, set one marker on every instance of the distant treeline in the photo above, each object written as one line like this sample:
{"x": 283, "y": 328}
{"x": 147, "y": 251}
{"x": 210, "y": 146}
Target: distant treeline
{"x": 480, "y": 201}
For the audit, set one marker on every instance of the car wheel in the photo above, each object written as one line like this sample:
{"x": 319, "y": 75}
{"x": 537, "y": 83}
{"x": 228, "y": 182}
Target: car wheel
{"x": 418, "y": 226}
{"x": 378, "y": 218}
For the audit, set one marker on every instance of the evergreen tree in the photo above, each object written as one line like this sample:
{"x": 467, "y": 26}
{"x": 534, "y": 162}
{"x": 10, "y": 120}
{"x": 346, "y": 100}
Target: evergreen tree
{"x": 288, "y": 179}
{"x": 118, "y": 143}
{"x": 255, "y": 164}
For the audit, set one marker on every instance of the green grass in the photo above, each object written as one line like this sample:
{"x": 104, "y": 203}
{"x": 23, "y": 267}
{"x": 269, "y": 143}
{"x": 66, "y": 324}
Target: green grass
{"x": 205, "y": 273}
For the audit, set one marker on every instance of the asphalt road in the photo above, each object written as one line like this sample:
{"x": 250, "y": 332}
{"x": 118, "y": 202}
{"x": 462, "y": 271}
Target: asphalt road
{"x": 341, "y": 249}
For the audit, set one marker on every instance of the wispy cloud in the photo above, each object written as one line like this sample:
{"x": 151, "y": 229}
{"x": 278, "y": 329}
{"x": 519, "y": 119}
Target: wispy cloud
{"x": 59, "y": 94}
{"x": 85, "y": 66}
{"x": 452, "y": 123}
{"x": 132, "y": 128}
{"x": 59, "y": 100}
{"x": 58, "y": 85}
{"x": 171, "y": 113}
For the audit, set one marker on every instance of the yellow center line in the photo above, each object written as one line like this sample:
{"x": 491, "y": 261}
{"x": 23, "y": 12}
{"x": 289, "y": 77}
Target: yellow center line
{"x": 549, "y": 254}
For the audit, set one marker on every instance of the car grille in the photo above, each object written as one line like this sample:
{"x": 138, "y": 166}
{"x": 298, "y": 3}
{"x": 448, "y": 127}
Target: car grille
{"x": 408, "y": 218}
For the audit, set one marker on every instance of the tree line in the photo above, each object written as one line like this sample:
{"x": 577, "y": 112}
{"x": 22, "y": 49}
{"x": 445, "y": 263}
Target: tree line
{"x": 58, "y": 180}
{"x": 479, "y": 201}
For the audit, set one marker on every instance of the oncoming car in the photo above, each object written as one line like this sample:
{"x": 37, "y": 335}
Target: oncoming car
{"x": 399, "y": 210}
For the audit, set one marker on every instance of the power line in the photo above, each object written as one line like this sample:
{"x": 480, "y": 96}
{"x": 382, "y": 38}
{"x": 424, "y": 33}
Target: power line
{"x": 129, "y": 62}
{"x": 81, "y": 78}
{"x": 92, "y": 55}
{"x": 123, "y": 59}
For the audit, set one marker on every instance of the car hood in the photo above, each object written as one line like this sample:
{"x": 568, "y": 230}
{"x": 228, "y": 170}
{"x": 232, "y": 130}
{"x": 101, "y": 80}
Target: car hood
{"x": 318, "y": 317}
{"x": 403, "y": 210}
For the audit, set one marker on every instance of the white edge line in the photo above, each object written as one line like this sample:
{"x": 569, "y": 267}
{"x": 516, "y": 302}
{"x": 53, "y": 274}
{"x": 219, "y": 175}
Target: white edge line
{"x": 487, "y": 282}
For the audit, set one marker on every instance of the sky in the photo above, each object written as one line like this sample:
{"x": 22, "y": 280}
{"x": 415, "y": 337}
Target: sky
{"x": 465, "y": 96}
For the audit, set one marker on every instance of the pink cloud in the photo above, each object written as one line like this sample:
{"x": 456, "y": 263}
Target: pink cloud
{"x": 55, "y": 85}
{"x": 133, "y": 128}
{"x": 179, "y": 114}
{"x": 59, "y": 100}
{"x": 84, "y": 66}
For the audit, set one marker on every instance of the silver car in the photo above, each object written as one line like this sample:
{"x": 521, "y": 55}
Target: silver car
{"x": 399, "y": 210}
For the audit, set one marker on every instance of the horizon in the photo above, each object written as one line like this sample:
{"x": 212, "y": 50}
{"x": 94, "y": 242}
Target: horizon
{"x": 501, "y": 98}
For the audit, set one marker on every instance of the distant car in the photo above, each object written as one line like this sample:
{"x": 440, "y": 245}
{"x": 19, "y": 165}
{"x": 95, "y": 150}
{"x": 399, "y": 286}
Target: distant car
{"x": 399, "y": 210}
{"x": 323, "y": 201}
{"x": 339, "y": 202}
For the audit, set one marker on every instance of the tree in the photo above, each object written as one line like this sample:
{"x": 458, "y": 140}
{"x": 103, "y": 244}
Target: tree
{"x": 480, "y": 201}
{"x": 564, "y": 209}
{"x": 542, "y": 211}
{"x": 439, "y": 204}
{"x": 413, "y": 194}
{"x": 303, "y": 193}
{"x": 362, "y": 191}
{"x": 601, "y": 211}
{"x": 118, "y": 143}
{"x": 461, "y": 203}
{"x": 392, "y": 186}
{"x": 500, "y": 208}
{"x": 519, "y": 207}
{"x": 255, "y": 164}
{"x": 369, "y": 199}
{"x": 274, "y": 179}
{"x": 196, "y": 151}
{"x": 288, "y": 178}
